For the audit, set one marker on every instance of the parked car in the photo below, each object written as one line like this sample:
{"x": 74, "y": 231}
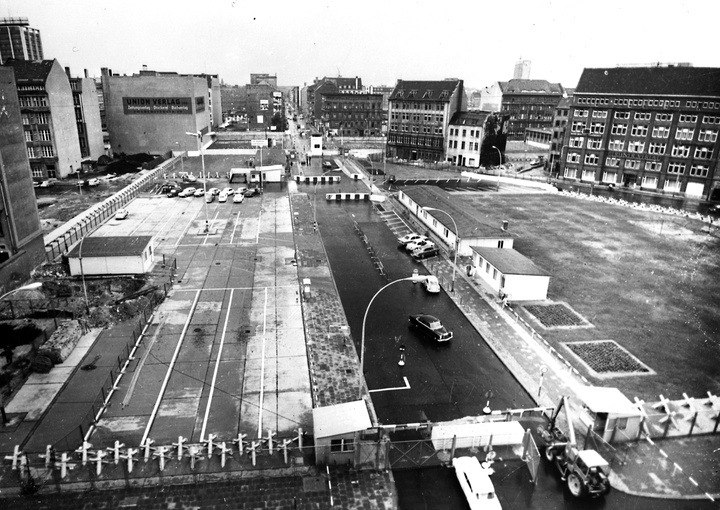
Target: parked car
{"x": 209, "y": 197}
{"x": 327, "y": 165}
{"x": 186, "y": 192}
{"x": 409, "y": 238}
{"x": 199, "y": 193}
{"x": 241, "y": 190}
{"x": 228, "y": 191}
{"x": 430, "y": 326}
{"x": 93, "y": 182}
{"x": 411, "y": 247}
{"x": 222, "y": 197}
{"x": 251, "y": 192}
{"x": 121, "y": 214}
{"x": 238, "y": 198}
{"x": 214, "y": 191}
{"x": 476, "y": 484}
{"x": 190, "y": 178}
{"x": 432, "y": 284}
{"x": 80, "y": 183}
{"x": 173, "y": 192}
{"x": 425, "y": 252}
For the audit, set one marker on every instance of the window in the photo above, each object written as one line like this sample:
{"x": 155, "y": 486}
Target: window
{"x": 698, "y": 171}
{"x": 703, "y": 152}
{"x": 649, "y": 181}
{"x": 656, "y": 148}
{"x": 573, "y": 157}
{"x": 597, "y": 127}
{"x": 622, "y": 115}
{"x": 610, "y": 177}
{"x": 588, "y": 175}
{"x": 495, "y": 273}
{"x": 636, "y": 146}
{"x": 581, "y": 113}
{"x": 619, "y": 129}
{"x": 707, "y": 135}
{"x": 616, "y": 145}
{"x": 707, "y": 119}
{"x": 599, "y": 114}
{"x": 663, "y": 117}
{"x": 639, "y": 130}
{"x": 578, "y": 126}
{"x": 632, "y": 164}
{"x": 591, "y": 159}
{"x": 681, "y": 151}
{"x": 28, "y": 136}
{"x": 684, "y": 134}
{"x": 689, "y": 118}
{"x": 47, "y": 152}
{"x": 661, "y": 131}
{"x": 612, "y": 162}
{"x": 653, "y": 166}
{"x": 594, "y": 143}
{"x": 671, "y": 185}
{"x": 501, "y": 243}
{"x": 342, "y": 445}
{"x": 576, "y": 141}
{"x": 642, "y": 115}
{"x": 570, "y": 173}
{"x": 37, "y": 171}
{"x": 676, "y": 168}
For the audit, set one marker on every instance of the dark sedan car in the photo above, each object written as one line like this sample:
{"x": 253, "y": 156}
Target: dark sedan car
{"x": 431, "y": 327}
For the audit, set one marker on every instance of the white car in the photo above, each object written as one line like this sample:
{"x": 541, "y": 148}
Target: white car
{"x": 199, "y": 193}
{"x": 476, "y": 484}
{"x": 241, "y": 190}
{"x": 432, "y": 284}
{"x": 419, "y": 243}
{"x": 93, "y": 182}
{"x": 238, "y": 198}
{"x": 121, "y": 214}
{"x": 228, "y": 191}
{"x": 222, "y": 197}
{"x": 409, "y": 238}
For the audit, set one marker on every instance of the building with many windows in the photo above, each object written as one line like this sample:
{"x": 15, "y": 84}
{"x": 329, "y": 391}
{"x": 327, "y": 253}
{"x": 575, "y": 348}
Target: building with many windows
{"x": 21, "y": 241}
{"x": 651, "y": 128}
{"x": 475, "y": 139}
{"x": 352, "y": 114}
{"x": 87, "y": 116}
{"x": 18, "y": 40}
{"x": 418, "y": 117}
{"x": 49, "y": 120}
{"x": 529, "y": 104}
{"x": 559, "y": 127}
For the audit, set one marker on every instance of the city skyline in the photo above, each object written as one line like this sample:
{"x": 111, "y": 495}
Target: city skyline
{"x": 379, "y": 42}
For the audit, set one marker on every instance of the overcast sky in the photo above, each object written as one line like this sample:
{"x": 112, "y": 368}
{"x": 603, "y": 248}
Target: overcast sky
{"x": 478, "y": 41}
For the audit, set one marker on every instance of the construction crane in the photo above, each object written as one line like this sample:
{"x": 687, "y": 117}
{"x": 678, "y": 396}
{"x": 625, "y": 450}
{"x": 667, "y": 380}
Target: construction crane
{"x": 585, "y": 471}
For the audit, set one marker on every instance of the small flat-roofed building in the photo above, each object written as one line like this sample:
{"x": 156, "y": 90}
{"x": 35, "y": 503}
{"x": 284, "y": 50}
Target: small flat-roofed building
{"x": 259, "y": 175}
{"x": 610, "y": 414}
{"x": 510, "y": 273}
{"x": 337, "y": 431}
{"x": 99, "y": 256}
{"x": 441, "y": 225}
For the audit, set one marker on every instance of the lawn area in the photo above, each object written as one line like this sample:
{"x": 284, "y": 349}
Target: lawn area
{"x": 647, "y": 281}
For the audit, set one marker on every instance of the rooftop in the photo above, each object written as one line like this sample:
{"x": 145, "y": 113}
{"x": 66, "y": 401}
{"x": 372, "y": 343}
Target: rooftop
{"x": 683, "y": 81}
{"x": 476, "y": 118}
{"x": 440, "y": 90}
{"x": 509, "y": 261}
{"x": 517, "y": 86}
{"x": 470, "y": 226}
{"x": 111, "y": 246}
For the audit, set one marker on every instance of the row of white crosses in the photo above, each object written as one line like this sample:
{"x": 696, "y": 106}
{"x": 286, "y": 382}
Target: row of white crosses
{"x": 181, "y": 449}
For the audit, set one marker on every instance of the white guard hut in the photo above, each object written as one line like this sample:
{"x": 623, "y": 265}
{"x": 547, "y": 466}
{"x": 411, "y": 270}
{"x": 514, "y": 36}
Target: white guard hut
{"x": 112, "y": 256}
{"x": 259, "y": 175}
{"x": 337, "y": 432}
{"x": 611, "y": 414}
{"x": 509, "y": 272}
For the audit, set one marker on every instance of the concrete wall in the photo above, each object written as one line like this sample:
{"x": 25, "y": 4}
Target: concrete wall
{"x": 93, "y": 123}
{"x": 63, "y": 122}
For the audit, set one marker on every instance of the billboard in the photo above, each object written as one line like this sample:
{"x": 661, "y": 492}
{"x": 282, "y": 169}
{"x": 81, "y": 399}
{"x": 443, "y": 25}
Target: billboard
{"x": 157, "y": 105}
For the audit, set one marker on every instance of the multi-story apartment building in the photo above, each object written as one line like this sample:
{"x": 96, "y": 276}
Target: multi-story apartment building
{"x": 530, "y": 104}
{"x": 476, "y": 139}
{"x": 352, "y": 114}
{"x": 328, "y": 85}
{"x": 21, "y": 240}
{"x": 418, "y": 117}
{"x": 87, "y": 116}
{"x": 560, "y": 120}
{"x": 653, "y": 128}
{"x": 19, "y": 41}
{"x": 48, "y": 117}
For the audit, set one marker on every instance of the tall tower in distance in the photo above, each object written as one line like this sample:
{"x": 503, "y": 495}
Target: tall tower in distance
{"x": 19, "y": 41}
{"x": 522, "y": 70}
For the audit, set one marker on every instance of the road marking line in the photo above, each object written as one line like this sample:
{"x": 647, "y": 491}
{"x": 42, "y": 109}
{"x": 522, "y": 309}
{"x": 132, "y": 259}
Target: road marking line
{"x": 186, "y": 229}
{"x": 406, "y": 387}
{"x": 257, "y": 236}
{"x": 217, "y": 365}
{"x": 141, "y": 364}
{"x": 170, "y": 369}
{"x": 235, "y": 226}
{"x": 262, "y": 369}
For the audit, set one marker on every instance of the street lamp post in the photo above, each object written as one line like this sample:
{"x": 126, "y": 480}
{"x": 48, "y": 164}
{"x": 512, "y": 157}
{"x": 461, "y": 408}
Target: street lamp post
{"x": 199, "y": 135}
{"x": 498, "y": 176}
{"x": 415, "y": 279}
{"x": 29, "y": 286}
{"x": 457, "y": 241}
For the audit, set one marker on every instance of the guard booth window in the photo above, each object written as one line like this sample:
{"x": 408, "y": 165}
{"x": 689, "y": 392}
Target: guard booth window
{"x": 342, "y": 445}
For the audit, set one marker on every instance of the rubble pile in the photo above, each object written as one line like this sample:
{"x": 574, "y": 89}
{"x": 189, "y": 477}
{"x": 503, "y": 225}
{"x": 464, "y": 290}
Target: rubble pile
{"x": 62, "y": 342}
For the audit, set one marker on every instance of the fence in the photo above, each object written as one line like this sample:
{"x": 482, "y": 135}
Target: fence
{"x": 94, "y": 217}
{"x": 371, "y": 251}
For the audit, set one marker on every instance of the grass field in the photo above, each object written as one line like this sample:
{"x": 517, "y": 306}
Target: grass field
{"x": 647, "y": 281}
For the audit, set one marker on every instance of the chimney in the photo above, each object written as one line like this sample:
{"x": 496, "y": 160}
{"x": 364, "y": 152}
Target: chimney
{"x": 144, "y": 68}
{"x": 505, "y": 225}
{"x": 67, "y": 71}
{"x": 86, "y": 73}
